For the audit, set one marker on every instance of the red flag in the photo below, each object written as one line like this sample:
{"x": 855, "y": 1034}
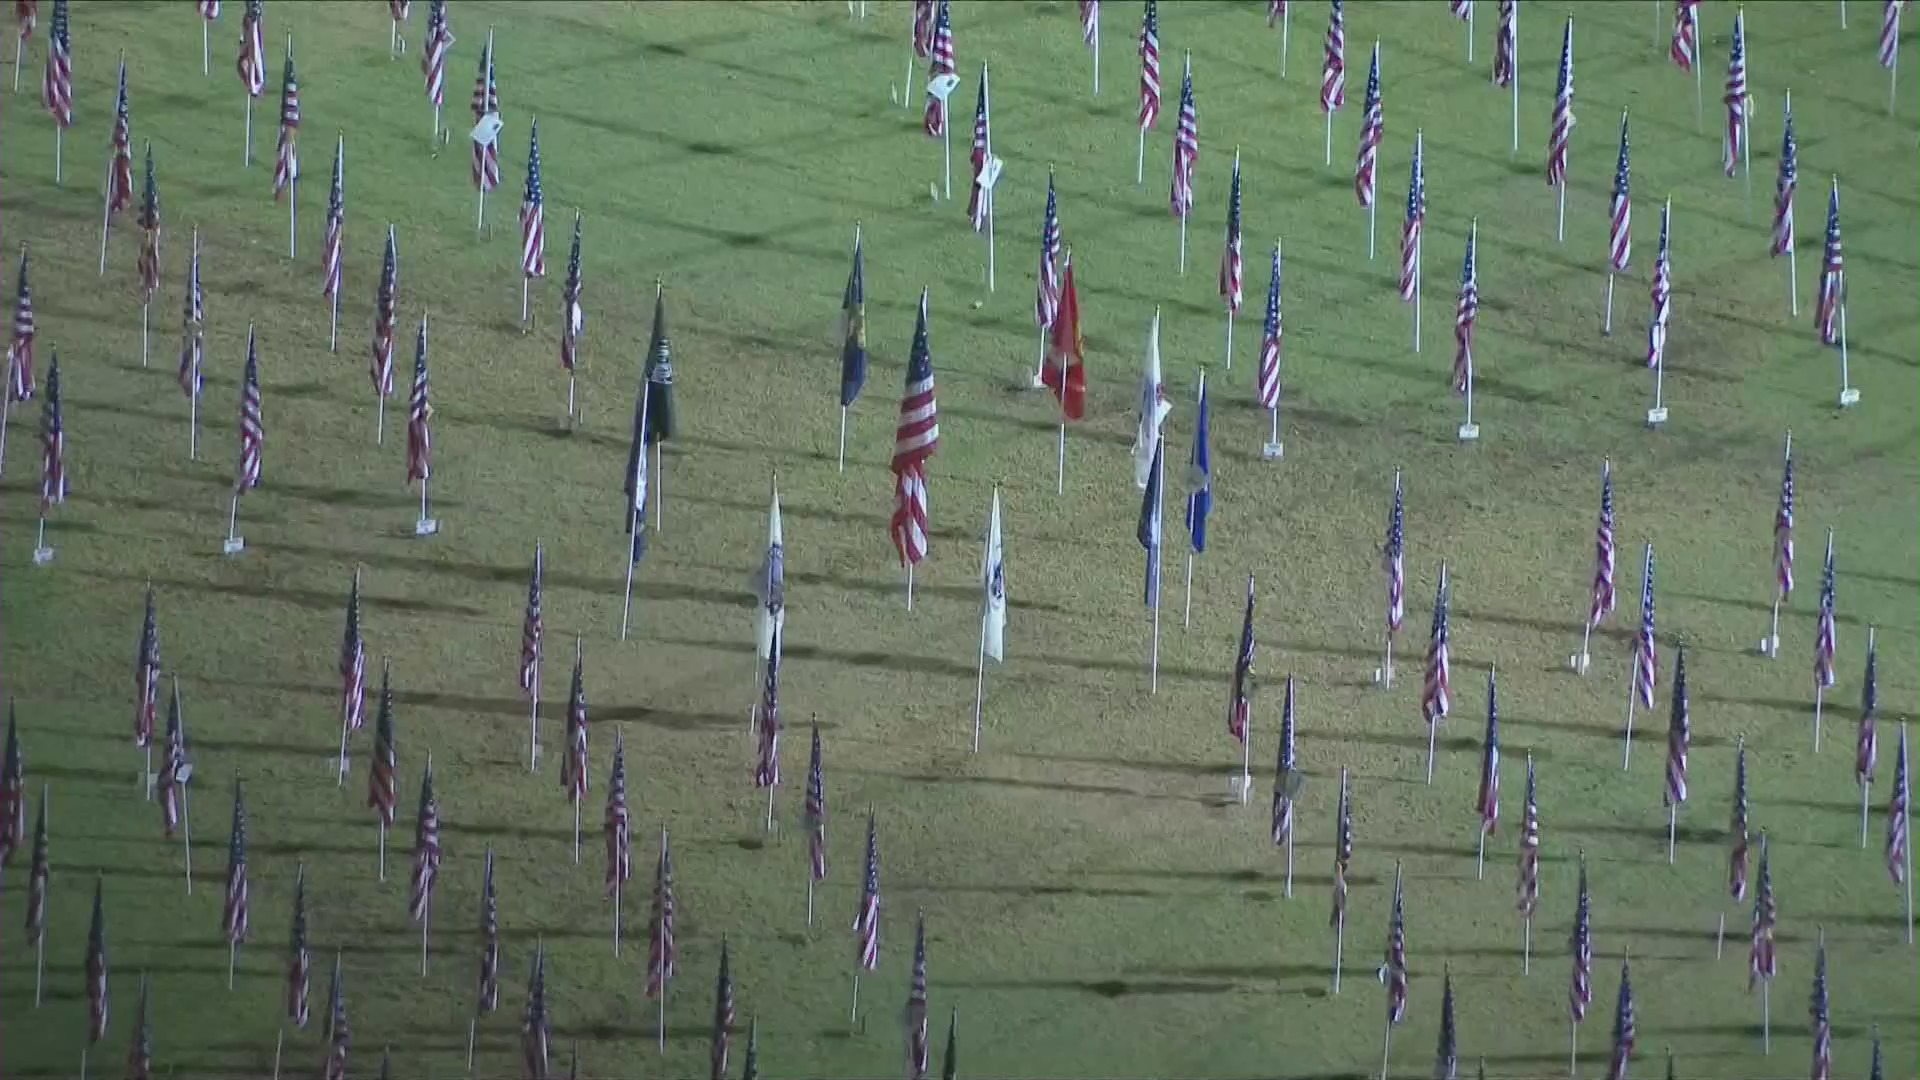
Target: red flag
{"x": 1066, "y": 373}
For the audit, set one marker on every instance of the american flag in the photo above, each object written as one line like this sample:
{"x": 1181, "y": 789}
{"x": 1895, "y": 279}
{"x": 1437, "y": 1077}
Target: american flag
{"x": 37, "y": 877}
{"x": 1833, "y": 274}
{"x": 174, "y": 768}
{"x": 1620, "y": 219}
{"x": 209, "y": 9}
{"x": 1529, "y": 887}
{"x": 1333, "y": 72}
{"x": 1580, "y": 994}
{"x": 1240, "y": 704}
{"x": 1372, "y": 127}
{"x": 1822, "y": 1022}
{"x": 353, "y": 665}
{"x": 1867, "y": 755}
{"x": 1488, "y": 801}
{"x": 486, "y": 100}
{"x": 399, "y": 10}
{"x": 1460, "y": 9}
{"x": 120, "y": 167}
{"x": 330, "y": 244}
{"x": 1623, "y": 1034}
{"x": 433, "y": 53}
{"x": 1661, "y": 294}
{"x": 1090, "y": 23}
{"x": 13, "y": 797}
{"x": 922, "y": 28}
{"x": 816, "y": 811}
{"x": 383, "y": 787}
{"x": 1447, "y": 1063}
{"x": 1284, "y": 768}
{"x": 146, "y": 668}
{"x": 1342, "y": 854}
{"x": 252, "y": 63}
{"x": 914, "y": 440}
{"x": 1679, "y": 733}
{"x": 1736, "y": 96}
{"x": 573, "y": 767}
{"x": 1276, "y": 11}
{"x": 286, "y": 162}
{"x": 1737, "y": 828}
{"x": 383, "y": 320}
{"x": 573, "y": 318}
{"x": 1504, "y": 59}
{"x": 488, "y": 998}
{"x": 1784, "y": 186}
{"x": 939, "y": 62}
{"x": 1646, "y": 652}
{"x": 619, "y": 845}
{"x": 299, "y": 962}
{"x": 766, "y": 771}
{"x": 53, "y": 454}
{"x": 919, "y": 1047}
{"x": 722, "y": 1016}
{"x": 99, "y": 1006}
{"x": 149, "y": 222}
{"x": 1603, "y": 592}
{"x": 1393, "y": 559}
{"x": 866, "y": 919}
{"x": 26, "y": 13}
{"x": 1413, "y": 230}
{"x": 1783, "y": 531}
{"x": 1186, "y": 147}
{"x": 56, "y": 89}
{"x": 1150, "y": 66}
{"x": 1232, "y": 269}
{"x": 426, "y": 847}
{"x": 193, "y": 315}
{"x": 140, "y": 1053}
{"x": 533, "y": 214}
{"x": 339, "y": 1035}
{"x": 1762, "y": 963}
{"x": 1046, "y": 301}
{"x": 1897, "y": 815}
{"x": 536, "y": 1031}
{"x": 1562, "y": 113}
{"x": 233, "y": 913}
{"x": 1394, "y": 972}
{"x": 1272, "y": 336}
{"x": 532, "y": 629}
{"x": 660, "y": 947}
{"x": 20, "y": 354}
{"x": 1465, "y": 313}
{"x": 980, "y": 199}
{"x": 1436, "y": 690}
{"x": 1685, "y": 49}
{"x": 1823, "y": 638}
{"x": 1889, "y": 32}
{"x": 419, "y": 414}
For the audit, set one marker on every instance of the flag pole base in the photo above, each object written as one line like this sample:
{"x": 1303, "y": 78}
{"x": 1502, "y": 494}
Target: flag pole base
{"x": 1656, "y": 417}
{"x": 1469, "y": 432}
{"x": 1578, "y": 662}
{"x": 426, "y": 526}
{"x": 1273, "y": 451}
{"x": 1849, "y": 397}
{"x": 233, "y": 545}
{"x": 42, "y": 556}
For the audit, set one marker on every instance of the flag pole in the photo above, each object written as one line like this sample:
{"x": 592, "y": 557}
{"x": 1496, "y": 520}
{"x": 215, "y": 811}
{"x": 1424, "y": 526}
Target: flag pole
{"x": 1386, "y": 1048}
{"x": 909, "y": 584}
{"x": 1673, "y": 819}
{"x": 233, "y": 515}
{"x": 1606, "y": 325}
{"x": 186, "y": 825}
{"x": 843, "y": 434}
{"x": 1096, "y": 54}
{"x": 1329, "y": 115}
{"x": 1186, "y": 614}
{"x": 617, "y": 899}
{"x": 1183, "y": 244}
{"x": 576, "y": 829}
{"x": 1139, "y": 161}
{"x": 1906, "y": 816}
{"x": 913, "y": 53}
{"x": 1699, "y": 95}
{"x": 246, "y": 157}
{"x": 1160, "y": 519}
{"x": 979, "y": 694}
{"x": 106, "y": 215}
{"x": 946, "y": 151}
{"x": 1286, "y": 38}
{"x": 1469, "y": 37}
{"x": 59, "y": 137}
{"x": 145, "y": 307}
{"x": 380, "y": 422}
{"x": 1373, "y": 212}
{"x": 381, "y": 828}
{"x": 1632, "y": 695}
{"x": 658, "y": 481}
{"x": 990, "y": 240}
{"x": 1515, "y": 82}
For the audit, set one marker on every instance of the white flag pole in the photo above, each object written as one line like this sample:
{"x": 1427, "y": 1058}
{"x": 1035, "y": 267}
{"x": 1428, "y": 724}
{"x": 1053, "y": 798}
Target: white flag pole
{"x": 1160, "y": 543}
{"x": 1515, "y": 81}
{"x": 206, "y": 55}
{"x": 979, "y": 696}
{"x": 1469, "y": 37}
{"x": 1096, "y": 52}
{"x": 1286, "y": 38}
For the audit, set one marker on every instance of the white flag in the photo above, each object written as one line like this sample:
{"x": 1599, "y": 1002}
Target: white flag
{"x": 993, "y": 575}
{"x": 1154, "y": 408}
{"x": 770, "y": 584}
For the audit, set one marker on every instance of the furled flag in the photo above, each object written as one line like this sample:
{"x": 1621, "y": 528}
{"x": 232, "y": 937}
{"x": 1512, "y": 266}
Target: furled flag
{"x": 1447, "y": 1060}
{"x": 252, "y": 64}
{"x": 1874, "y": 1069}
{"x": 1603, "y": 592}
{"x": 1563, "y": 121}
{"x": 816, "y": 810}
{"x": 980, "y": 199}
{"x": 426, "y": 847}
{"x": 1149, "y": 66}
{"x": 533, "y": 628}
{"x": 1504, "y": 60}
{"x": 1199, "y": 478}
{"x": 1762, "y": 963}
{"x": 573, "y": 766}
{"x": 1823, "y": 638}
{"x": 1090, "y": 24}
{"x": 1661, "y": 293}
{"x": 766, "y": 770}
{"x": 1151, "y": 530}
{"x": 1065, "y": 371}
{"x": 486, "y": 102}
{"x": 56, "y": 89}
{"x": 722, "y": 1016}
{"x": 1890, "y": 11}
{"x": 1529, "y": 887}
{"x": 20, "y": 353}
{"x": 866, "y": 918}
{"x": 37, "y": 879}
{"x": 1488, "y": 801}
{"x": 1413, "y": 230}
{"x": 383, "y": 320}
{"x": 170, "y": 785}
{"x": 1737, "y": 829}
{"x": 914, "y": 440}
{"x": 1393, "y": 558}
{"x": 660, "y": 420}
{"x": 853, "y": 328}
{"x": 1833, "y": 274}
{"x": 1372, "y": 127}
{"x": 940, "y": 62}
{"x": 1232, "y": 269}
{"x": 99, "y": 1008}
{"x": 488, "y": 998}
{"x": 1153, "y": 409}
{"x": 1333, "y": 72}
{"x": 533, "y": 213}
{"x": 1461, "y": 9}
{"x": 573, "y": 318}
{"x": 234, "y": 912}
{"x": 1580, "y": 994}
{"x": 120, "y": 164}
{"x": 253, "y": 432}
{"x": 1465, "y": 313}
{"x": 1394, "y": 971}
{"x": 299, "y": 962}
{"x": 1342, "y": 853}
{"x": 140, "y": 1054}
{"x": 339, "y": 1035}
{"x": 433, "y": 53}
{"x": 1736, "y": 96}
{"x": 1784, "y": 186}
{"x": 1240, "y": 701}
{"x": 1679, "y": 733}
{"x": 286, "y": 162}
{"x": 1623, "y": 1034}
{"x": 660, "y": 946}
{"x": 1046, "y": 301}
{"x": 353, "y": 665}
{"x": 149, "y": 222}
{"x": 53, "y": 450}
{"x": 1897, "y": 815}
{"x": 1620, "y": 214}
{"x": 922, "y": 28}
{"x": 146, "y": 676}
{"x": 1685, "y": 49}
{"x": 1646, "y": 651}
{"x": 993, "y": 579}
{"x": 383, "y": 775}
{"x": 1186, "y": 147}
{"x": 13, "y": 796}
{"x": 1286, "y": 779}
{"x": 770, "y": 585}
{"x": 193, "y": 315}
{"x": 1267, "y": 386}
{"x": 619, "y": 845}
{"x": 26, "y": 14}
{"x": 919, "y": 1047}
{"x": 1822, "y": 1020}
{"x": 419, "y": 414}
{"x": 536, "y": 1031}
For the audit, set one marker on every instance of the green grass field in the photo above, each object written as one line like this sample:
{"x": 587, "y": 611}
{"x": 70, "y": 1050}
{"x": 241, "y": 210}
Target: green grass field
{"x": 1096, "y": 906}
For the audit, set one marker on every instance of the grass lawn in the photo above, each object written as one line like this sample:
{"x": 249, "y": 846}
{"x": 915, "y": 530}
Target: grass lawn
{"x": 1096, "y": 905}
